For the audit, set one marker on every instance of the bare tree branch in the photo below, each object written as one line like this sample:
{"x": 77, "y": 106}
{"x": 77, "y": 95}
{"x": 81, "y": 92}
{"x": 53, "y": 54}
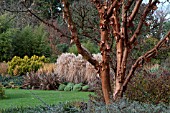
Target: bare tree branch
{"x": 15, "y": 11}
{"x": 75, "y": 38}
{"x": 62, "y": 34}
{"x": 135, "y": 10}
{"x": 146, "y": 56}
{"x": 149, "y": 7}
{"x": 91, "y": 37}
{"x": 129, "y": 4}
{"x": 110, "y": 10}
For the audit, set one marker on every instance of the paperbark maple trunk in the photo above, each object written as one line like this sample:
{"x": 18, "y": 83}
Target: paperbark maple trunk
{"x": 119, "y": 72}
{"x": 105, "y": 79}
{"x": 105, "y": 68}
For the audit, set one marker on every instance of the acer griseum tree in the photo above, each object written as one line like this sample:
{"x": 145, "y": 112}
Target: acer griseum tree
{"x": 116, "y": 19}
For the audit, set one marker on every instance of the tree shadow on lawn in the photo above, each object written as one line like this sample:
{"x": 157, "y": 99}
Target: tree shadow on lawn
{"x": 17, "y": 95}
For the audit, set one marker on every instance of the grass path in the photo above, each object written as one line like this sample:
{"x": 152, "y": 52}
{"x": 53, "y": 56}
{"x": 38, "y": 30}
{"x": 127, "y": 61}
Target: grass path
{"x": 28, "y": 98}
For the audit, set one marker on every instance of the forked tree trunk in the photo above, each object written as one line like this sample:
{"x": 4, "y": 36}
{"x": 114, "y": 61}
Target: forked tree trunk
{"x": 105, "y": 52}
{"x": 109, "y": 18}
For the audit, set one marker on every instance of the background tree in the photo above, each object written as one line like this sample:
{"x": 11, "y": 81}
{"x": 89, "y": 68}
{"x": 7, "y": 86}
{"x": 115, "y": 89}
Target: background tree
{"x": 161, "y": 17}
{"x": 32, "y": 41}
{"x": 6, "y": 35}
{"x": 29, "y": 40}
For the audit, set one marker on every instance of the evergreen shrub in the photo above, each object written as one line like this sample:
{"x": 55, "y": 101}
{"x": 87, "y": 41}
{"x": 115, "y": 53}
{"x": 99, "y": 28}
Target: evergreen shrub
{"x": 19, "y": 66}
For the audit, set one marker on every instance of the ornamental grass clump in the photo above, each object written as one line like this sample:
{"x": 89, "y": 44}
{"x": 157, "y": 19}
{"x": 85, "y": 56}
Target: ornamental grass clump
{"x": 62, "y": 65}
{"x": 47, "y": 68}
{"x": 72, "y": 68}
{"x": 3, "y": 68}
{"x": 76, "y": 70}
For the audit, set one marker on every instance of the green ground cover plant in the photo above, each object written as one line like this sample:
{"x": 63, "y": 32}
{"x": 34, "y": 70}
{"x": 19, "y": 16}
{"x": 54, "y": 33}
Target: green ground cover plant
{"x": 11, "y": 81}
{"x": 31, "y": 98}
{"x": 122, "y": 106}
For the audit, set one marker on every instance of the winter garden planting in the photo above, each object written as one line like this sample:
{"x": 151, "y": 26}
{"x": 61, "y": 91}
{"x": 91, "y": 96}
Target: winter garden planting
{"x": 70, "y": 78}
{"x": 84, "y": 56}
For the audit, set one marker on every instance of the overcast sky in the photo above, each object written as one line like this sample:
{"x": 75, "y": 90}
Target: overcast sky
{"x": 165, "y": 6}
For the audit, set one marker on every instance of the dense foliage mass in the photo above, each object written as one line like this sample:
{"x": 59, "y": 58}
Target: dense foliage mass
{"x": 151, "y": 87}
{"x": 19, "y": 66}
{"x": 31, "y": 41}
{"x": 20, "y": 42}
{"x": 88, "y": 45}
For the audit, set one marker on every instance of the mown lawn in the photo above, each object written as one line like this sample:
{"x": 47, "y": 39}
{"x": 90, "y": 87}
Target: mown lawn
{"x": 32, "y": 98}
